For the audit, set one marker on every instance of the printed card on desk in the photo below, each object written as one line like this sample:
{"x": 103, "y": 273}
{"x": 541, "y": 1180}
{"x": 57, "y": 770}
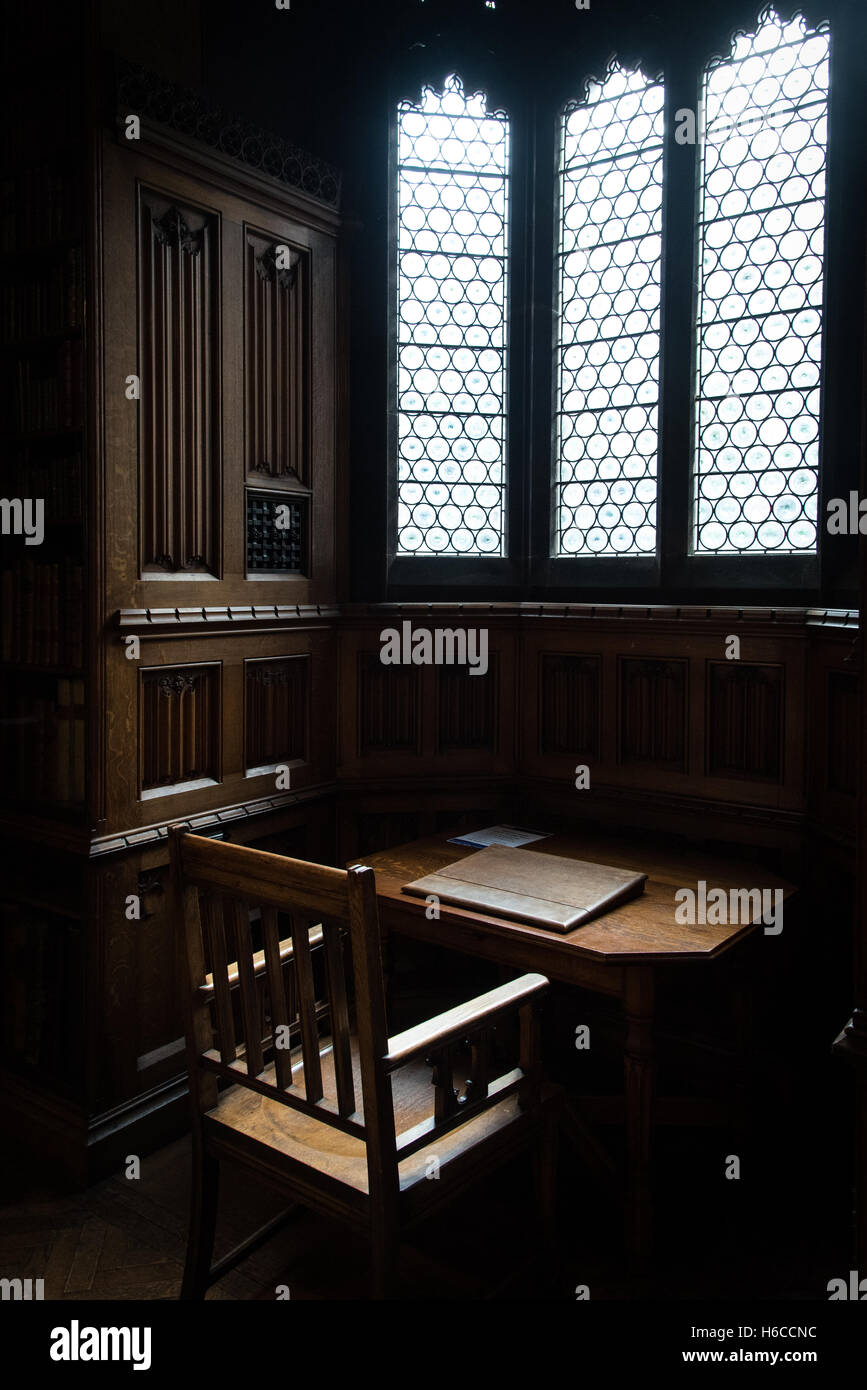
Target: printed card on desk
{"x": 500, "y": 835}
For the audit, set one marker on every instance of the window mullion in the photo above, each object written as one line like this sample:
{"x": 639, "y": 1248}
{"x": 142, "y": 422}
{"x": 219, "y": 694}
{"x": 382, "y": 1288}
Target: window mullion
{"x": 678, "y": 308}
{"x": 543, "y": 210}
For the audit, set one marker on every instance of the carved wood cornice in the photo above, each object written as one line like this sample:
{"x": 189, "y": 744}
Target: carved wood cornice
{"x": 164, "y": 107}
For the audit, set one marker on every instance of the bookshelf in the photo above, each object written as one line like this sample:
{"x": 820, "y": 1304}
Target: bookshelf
{"x": 42, "y": 584}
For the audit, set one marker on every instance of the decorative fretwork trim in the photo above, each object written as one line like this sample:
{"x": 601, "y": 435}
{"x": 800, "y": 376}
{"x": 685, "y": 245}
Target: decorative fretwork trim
{"x": 722, "y": 616}
{"x": 149, "y": 96}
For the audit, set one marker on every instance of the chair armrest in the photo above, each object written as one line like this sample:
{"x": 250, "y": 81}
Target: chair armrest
{"x": 455, "y": 1023}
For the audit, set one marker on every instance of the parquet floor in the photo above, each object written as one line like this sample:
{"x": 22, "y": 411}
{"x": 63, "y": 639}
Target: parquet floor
{"x": 125, "y": 1239}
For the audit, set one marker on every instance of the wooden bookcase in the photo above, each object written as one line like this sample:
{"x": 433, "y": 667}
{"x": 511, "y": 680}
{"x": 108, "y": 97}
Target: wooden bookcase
{"x": 174, "y": 389}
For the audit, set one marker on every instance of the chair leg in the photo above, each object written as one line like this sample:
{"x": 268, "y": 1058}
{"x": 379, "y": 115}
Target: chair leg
{"x": 384, "y": 1246}
{"x": 203, "y": 1222}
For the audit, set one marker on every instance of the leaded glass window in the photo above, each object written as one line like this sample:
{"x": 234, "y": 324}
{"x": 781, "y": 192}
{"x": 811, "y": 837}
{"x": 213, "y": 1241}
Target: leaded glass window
{"x": 761, "y": 244}
{"x": 607, "y": 354}
{"x": 451, "y": 316}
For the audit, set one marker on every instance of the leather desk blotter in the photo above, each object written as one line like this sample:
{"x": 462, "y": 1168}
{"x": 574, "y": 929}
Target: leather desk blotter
{"x": 543, "y": 890}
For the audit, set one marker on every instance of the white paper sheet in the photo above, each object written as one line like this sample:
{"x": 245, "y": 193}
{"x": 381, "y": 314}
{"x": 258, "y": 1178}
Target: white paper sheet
{"x": 509, "y": 835}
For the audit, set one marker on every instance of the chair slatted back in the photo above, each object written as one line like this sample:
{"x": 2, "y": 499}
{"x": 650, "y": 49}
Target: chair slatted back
{"x": 305, "y": 911}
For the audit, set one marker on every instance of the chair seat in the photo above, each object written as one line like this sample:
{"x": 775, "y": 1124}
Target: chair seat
{"x": 339, "y": 1156}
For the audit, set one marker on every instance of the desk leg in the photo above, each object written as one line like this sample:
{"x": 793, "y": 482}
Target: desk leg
{"x": 639, "y": 1077}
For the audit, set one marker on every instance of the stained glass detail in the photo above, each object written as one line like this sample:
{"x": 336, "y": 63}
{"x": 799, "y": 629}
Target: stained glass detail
{"x": 452, "y": 249}
{"x": 607, "y": 354}
{"x": 761, "y": 245}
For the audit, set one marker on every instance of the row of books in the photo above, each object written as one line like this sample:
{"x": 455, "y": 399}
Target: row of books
{"x": 37, "y": 208}
{"x": 42, "y": 614}
{"x": 49, "y": 299}
{"x": 49, "y": 390}
{"x": 43, "y": 733}
{"x": 57, "y": 479}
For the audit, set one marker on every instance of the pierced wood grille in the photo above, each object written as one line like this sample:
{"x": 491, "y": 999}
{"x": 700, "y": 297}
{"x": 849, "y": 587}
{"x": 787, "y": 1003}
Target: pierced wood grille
{"x": 276, "y": 532}
{"x": 277, "y": 711}
{"x": 178, "y": 369}
{"x": 277, "y": 373}
{"x": 180, "y": 725}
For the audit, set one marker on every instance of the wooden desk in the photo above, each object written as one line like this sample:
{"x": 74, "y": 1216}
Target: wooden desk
{"x": 616, "y": 955}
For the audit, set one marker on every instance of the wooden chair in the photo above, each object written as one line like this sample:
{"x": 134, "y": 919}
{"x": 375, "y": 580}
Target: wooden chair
{"x": 347, "y": 1123}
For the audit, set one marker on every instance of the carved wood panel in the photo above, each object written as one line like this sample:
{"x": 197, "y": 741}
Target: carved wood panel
{"x": 388, "y": 706}
{"x": 653, "y": 712}
{"x": 467, "y": 708}
{"x": 569, "y": 704}
{"x": 277, "y": 711}
{"x": 745, "y": 720}
{"x": 277, "y": 365}
{"x": 180, "y": 725}
{"x": 179, "y": 372}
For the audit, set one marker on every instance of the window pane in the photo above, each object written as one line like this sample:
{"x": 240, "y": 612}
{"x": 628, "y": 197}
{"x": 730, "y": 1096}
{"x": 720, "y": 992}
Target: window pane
{"x": 761, "y": 243}
{"x": 453, "y": 181}
{"x": 607, "y": 358}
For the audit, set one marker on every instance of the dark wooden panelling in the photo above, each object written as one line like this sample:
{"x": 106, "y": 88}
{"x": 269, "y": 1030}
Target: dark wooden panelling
{"x": 569, "y": 704}
{"x": 653, "y": 712}
{"x": 843, "y": 717}
{"x": 745, "y": 720}
{"x": 180, "y": 725}
{"x": 388, "y": 705}
{"x": 276, "y": 364}
{"x": 467, "y": 708}
{"x": 294, "y": 843}
{"x": 277, "y": 695}
{"x": 41, "y": 1029}
{"x": 384, "y": 829}
{"x": 179, "y": 370}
